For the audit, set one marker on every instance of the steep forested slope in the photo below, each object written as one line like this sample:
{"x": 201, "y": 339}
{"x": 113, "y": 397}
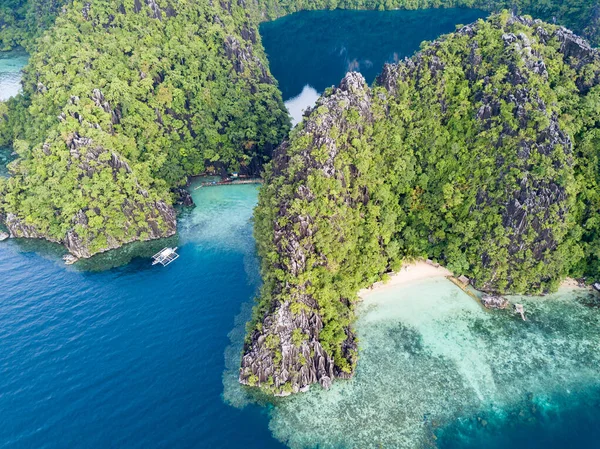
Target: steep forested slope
{"x": 161, "y": 88}
{"x": 122, "y": 100}
{"x": 480, "y": 152}
{"x": 21, "y": 21}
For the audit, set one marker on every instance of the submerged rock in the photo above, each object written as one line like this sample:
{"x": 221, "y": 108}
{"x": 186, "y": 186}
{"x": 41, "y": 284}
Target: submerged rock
{"x": 70, "y": 259}
{"x": 494, "y": 301}
{"x": 518, "y": 308}
{"x": 183, "y": 197}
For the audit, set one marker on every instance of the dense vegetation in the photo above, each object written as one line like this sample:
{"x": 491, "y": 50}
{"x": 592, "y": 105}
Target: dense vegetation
{"x": 122, "y": 101}
{"x": 480, "y": 152}
{"x": 21, "y": 21}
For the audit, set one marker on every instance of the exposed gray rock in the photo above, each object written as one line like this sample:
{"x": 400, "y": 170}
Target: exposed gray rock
{"x": 494, "y": 301}
{"x": 526, "y": 208}
{"x": 183, "y": 197}
{"x": 272, "y": 357}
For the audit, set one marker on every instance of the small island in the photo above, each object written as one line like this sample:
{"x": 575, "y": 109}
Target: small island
{"x": 479, "y": 152}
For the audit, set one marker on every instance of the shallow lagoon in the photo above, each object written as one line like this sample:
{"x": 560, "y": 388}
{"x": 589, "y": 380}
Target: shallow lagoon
{"x": 438, "y": 370}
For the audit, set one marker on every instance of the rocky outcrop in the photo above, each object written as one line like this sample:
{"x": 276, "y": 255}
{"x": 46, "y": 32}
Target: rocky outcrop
{"x": 494, "y": 301}
{"x": 284, "y": 354}
{"x": 148, "y": 229}
{"x": 274, "y": 359}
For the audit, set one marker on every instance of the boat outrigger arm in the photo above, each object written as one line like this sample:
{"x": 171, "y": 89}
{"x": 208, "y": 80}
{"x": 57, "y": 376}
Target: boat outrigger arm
{"x": 165, "y": 256}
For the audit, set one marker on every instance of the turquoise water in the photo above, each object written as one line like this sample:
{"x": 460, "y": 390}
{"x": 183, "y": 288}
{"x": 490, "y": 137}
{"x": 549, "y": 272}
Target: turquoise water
{"x": 438, "y": 371}
{"x": 11, "y": 64}
{"x": 311, "y": 50}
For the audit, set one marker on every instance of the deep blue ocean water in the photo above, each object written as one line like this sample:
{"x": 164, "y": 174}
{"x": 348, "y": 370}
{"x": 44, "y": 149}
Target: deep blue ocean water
{"x": 132, "y": 356}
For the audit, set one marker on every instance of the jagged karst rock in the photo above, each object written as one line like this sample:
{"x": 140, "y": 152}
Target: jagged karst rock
{"x": 272, "y": 358}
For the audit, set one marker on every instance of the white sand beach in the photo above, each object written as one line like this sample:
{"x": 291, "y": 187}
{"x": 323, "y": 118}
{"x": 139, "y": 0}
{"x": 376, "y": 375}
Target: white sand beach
{"x": 408, "y": 273}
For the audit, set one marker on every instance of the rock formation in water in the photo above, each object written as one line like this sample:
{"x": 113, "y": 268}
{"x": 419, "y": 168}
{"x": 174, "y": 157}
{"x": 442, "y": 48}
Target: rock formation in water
{"x": 475, "y": 153}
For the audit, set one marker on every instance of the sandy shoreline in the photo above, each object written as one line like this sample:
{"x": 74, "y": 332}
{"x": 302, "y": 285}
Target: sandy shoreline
{"x": 420, "y": 270}
{"x": 415, "y": 271}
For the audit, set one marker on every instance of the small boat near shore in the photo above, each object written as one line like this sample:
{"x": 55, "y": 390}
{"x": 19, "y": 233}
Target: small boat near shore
{"x": 165, "y": 256}
{"x": 230, "y": 182}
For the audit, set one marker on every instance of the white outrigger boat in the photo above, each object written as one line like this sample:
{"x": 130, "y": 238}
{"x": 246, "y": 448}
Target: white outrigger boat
{"x": 165, "y": 256}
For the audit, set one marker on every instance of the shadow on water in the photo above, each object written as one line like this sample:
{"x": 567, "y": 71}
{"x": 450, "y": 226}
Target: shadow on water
{"x": 132, "y": 257}
{"x": 316, "y": 48}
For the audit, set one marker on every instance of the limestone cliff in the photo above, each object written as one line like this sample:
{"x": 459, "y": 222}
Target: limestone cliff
{"x": 286, "y": 352}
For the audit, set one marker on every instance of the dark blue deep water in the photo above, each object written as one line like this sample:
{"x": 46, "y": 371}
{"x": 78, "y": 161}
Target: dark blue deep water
{"x": 133, "y": 356}
{"x": 316, "y": 48}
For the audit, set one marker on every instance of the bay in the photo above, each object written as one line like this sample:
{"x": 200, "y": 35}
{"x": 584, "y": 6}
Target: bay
{"x": 112, "y": 352}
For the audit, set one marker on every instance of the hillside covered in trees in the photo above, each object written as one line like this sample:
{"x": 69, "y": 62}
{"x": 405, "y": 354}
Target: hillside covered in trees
{"x": 21, "y": 21}
{"x": 480, "y": 152}
{"x": 122, "y": 100}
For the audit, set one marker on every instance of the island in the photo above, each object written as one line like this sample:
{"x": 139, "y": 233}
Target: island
{"x": 124, "y": 100}
{"x": 480, "y": 153}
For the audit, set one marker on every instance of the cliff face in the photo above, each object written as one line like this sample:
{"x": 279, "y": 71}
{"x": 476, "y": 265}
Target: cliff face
{"x": 468, "y": 153}
{"x": 122, "y": 102}
{"x": 287, "y": 353}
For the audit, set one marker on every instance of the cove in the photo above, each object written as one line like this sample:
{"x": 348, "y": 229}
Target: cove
{"x": 112, "y": 352}
{"x": 311, "y": 50}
